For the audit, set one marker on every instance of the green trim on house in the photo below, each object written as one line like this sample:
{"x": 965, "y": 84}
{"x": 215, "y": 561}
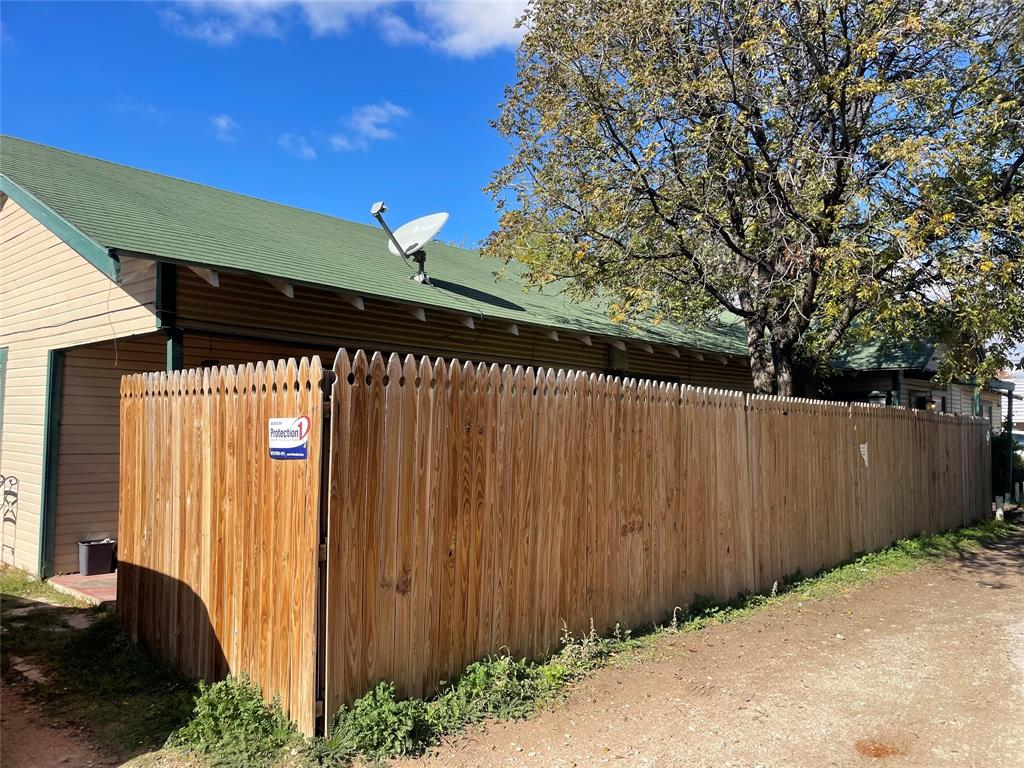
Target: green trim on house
{"x": 166, "y": 298}
{"x": 166, "y": 302}
{"x": 88, "y": 248}
{"x": 51, "y": 451}
{"x": 175, "y": 349}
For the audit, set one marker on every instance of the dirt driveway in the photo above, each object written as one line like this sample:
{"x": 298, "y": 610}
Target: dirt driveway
{"x": 921, "y": 669}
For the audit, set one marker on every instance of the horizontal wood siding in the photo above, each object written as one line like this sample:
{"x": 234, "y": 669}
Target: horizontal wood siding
{"x": 50, "y": 298}
{"x": 87, "y": 475}
{"x": 249, "y": 306}
{"x": 87, "y": 467}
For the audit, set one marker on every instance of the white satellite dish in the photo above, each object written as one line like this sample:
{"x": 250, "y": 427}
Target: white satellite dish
{"x": 408, "y": 240}
{"x": 417, "y": 233}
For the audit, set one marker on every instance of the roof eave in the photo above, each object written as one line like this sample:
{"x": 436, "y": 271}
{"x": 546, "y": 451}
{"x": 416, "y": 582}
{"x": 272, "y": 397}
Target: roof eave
{"x": 430, "y": 307}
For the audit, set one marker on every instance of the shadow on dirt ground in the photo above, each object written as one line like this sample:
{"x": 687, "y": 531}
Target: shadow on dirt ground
{"x": 75, "y": 692}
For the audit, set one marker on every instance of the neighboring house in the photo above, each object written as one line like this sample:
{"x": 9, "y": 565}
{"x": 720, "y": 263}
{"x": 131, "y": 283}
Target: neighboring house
{"x": 106, "y": 270}
{"x": 903, "y": 376}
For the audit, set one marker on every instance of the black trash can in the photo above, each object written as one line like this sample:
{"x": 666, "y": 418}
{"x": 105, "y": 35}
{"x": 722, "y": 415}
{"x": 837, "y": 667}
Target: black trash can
{"x": 96, "y": 556}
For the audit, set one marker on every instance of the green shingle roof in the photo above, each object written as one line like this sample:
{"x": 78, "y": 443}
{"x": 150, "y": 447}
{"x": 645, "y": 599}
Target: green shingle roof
{"x": 908, "y": 356}
{"x": 133, "y": 210}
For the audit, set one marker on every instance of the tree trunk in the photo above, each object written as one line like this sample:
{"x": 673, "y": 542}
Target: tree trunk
{"x": 784, "y": 375}
{"x": 771, "y": 360}
{"x": 761, "y": 368}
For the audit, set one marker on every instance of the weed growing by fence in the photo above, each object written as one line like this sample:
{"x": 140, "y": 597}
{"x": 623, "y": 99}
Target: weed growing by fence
{"x": 232, "y": 725}
{"x": 378, "y": 725}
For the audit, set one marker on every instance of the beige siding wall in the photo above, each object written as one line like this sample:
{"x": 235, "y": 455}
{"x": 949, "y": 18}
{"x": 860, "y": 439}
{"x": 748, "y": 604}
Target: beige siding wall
{"x": 87, "y": 475}
{"x": 249, "y": 306}
{"x": 50, "y": 298}
{"x": 87, "y": 470}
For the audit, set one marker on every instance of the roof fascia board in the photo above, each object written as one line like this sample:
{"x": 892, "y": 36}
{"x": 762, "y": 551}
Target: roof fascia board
{"x": 85, "y": 246}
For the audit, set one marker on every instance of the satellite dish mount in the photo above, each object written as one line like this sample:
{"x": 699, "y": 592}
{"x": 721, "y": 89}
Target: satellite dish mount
{"x": 408, "y": 240}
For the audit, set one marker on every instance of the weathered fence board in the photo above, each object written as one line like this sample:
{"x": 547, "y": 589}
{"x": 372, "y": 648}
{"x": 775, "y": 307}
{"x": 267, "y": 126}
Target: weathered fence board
{"x": 481, "y": 508}
{"x": 217, "y": 543}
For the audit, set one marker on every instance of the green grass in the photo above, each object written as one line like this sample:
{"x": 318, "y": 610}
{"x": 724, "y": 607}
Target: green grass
{"x": 18, "y": 584}
{"x": 129, "y": 701}
{"x": 95, "y": 677}
{"x": 904, "y": 555}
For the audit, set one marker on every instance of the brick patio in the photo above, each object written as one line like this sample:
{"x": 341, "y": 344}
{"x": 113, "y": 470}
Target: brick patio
{"x": 98, "y": 590}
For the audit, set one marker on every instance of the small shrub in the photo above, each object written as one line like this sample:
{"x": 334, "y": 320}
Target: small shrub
{"x": 500, "y": 687}
{"x": 233, "y": 725}
{"x": 379, "y": 725}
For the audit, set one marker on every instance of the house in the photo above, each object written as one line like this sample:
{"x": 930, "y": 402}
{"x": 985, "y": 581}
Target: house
{"x": 904, "y": 376}
{"x": 106, "y": 270}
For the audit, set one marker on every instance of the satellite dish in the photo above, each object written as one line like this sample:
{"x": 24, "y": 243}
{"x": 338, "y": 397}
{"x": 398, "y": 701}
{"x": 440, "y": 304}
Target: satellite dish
{"x": 408, "y": 240}
{"x": 417, "y": 233}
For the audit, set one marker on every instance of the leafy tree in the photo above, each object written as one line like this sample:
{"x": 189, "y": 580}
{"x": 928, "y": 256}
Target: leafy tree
{"x": 829, "y": 172}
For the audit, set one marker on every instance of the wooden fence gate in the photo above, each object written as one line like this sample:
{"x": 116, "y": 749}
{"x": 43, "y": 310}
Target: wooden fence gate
{"x": 461, "y": 510}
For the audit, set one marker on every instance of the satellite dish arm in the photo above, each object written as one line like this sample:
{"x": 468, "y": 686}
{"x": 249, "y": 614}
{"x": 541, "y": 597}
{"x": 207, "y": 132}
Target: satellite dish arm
{"x": 379, "y": 216}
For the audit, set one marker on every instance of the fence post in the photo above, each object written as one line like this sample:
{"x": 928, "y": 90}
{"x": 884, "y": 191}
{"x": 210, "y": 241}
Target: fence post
{"x": 319, "y": 715}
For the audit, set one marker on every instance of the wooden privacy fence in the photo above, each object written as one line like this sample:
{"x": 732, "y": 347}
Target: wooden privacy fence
{"x": 469, "y": 509}
{"x": 217, "y": 543}
{"x": 479, "y": 508}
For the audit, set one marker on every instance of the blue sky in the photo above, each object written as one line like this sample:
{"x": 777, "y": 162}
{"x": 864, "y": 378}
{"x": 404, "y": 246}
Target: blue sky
{"x": 326, "y": 106}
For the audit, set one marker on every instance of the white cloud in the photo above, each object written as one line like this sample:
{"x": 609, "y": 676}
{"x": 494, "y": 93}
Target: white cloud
{"x": 297, "y": 146}
{"x": 370, "y": 122}
{"x": 224, "y": 127}
{"x": 222, "y": 22}
{"x": 464, "y": 28}
{"x": 468, "y": 28}
{"x": 336, "y": 16}
{"x": 397, "y": 31}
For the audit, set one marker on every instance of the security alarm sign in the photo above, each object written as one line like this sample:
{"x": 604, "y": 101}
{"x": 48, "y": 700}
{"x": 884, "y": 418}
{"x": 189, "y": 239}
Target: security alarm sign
{"x": 289, "y": 437}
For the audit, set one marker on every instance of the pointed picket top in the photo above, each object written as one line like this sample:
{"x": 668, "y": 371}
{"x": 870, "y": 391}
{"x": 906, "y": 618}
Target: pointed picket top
{"x": 291, "y": 374}
{"x": 424, "y": 372}
{"x": 439, "y": 376}
{"x": 394, "y": 369}
{"x": 467, "y": 377}
{"x": 245, "y": 373}
{"x": 376, "y": 369}
{"x": 342, "y": 372}
{"x": 407, "y": 377}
